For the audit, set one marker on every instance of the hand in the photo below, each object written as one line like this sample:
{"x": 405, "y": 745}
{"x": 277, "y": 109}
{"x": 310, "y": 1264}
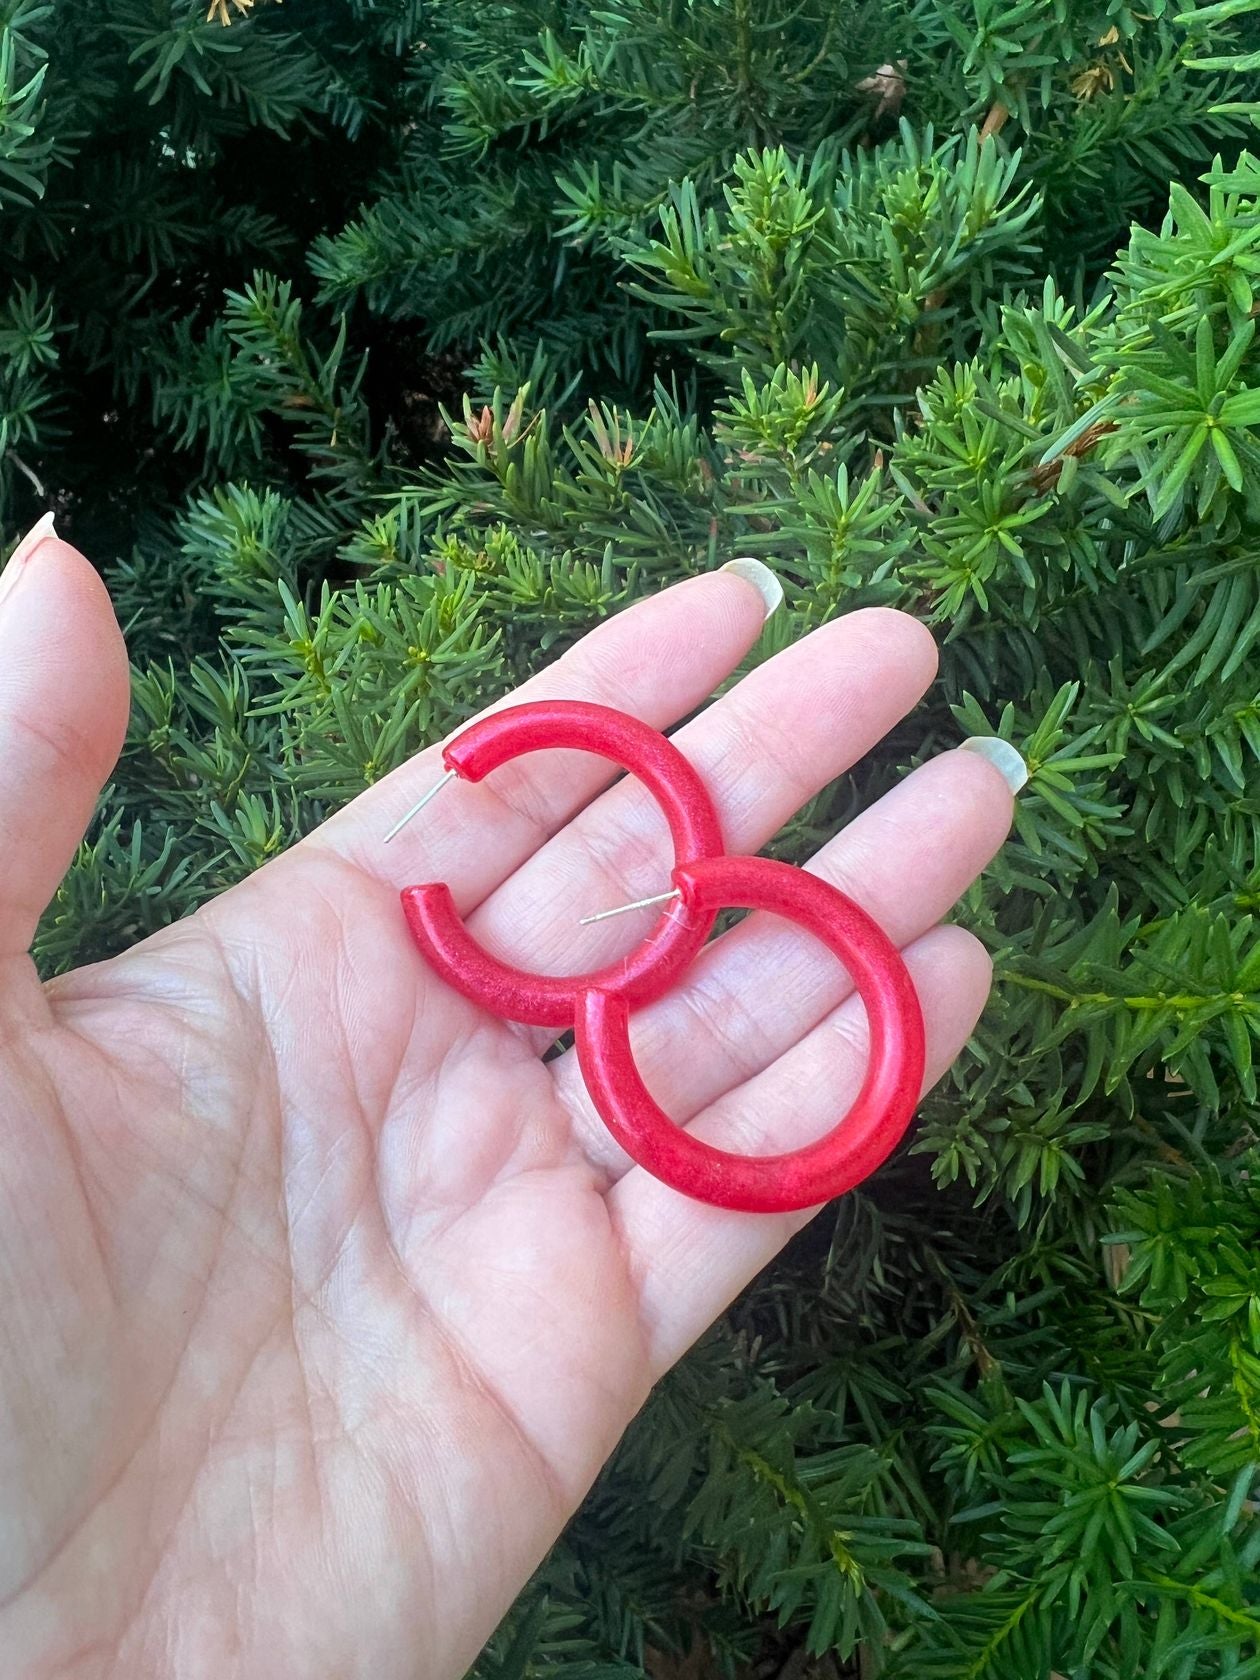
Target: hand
{"x": 322, "y": 1297}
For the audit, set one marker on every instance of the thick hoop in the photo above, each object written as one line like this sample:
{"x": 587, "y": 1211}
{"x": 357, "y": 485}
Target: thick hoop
{"x": 546, "y": 1000}
{"x": 858, "y": 1143}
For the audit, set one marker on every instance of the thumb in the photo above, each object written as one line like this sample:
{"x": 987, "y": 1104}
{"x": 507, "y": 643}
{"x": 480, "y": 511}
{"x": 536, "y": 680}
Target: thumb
{"x": 64, "y": 696}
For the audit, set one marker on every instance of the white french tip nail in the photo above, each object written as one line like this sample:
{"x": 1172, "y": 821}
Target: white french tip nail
{"x": 43, "y": 527}
{"x": 1004, "y": 758}
{"x": 762, "y": 579}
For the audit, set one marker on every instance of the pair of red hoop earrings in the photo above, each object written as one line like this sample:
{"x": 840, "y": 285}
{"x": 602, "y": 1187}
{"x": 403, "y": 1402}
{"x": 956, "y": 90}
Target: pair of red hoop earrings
{"x": 598, "y": 1004}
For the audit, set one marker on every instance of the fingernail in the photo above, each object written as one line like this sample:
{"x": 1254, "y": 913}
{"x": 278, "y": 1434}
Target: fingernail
{"x": 1002, "y": 756}
{"x": 762, "y": 579}
{"x": 43, "y": 527}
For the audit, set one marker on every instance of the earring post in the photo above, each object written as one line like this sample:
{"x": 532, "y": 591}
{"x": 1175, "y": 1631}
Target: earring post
{"x": 418, "y": 806}
{"x": 639, "y": 904}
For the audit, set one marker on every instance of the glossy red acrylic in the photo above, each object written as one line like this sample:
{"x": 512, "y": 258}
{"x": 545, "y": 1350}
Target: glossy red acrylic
{"x": 649, "y": 970}
{"x": 859, "y": 1142}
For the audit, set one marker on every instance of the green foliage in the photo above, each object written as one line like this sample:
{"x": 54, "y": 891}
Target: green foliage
{"x": 949, "y": 307}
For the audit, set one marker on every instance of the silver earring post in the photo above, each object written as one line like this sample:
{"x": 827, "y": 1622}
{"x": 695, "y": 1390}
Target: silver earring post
{"x": 639, "y": 904}
{"x": 418, "y": 806}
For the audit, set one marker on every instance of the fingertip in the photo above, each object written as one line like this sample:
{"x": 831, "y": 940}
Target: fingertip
{"x": 889, "y": 627}
{"x": 63, "y": 595}
{"x": 75, "y": 571}
{"x": 953, "y": 975}
{"x": 44, "y": 566}
{"x": 64, "y": 700}
{"x": 986, "y": 789}
{"x": 963, "y": 803}
{"x": 738, "y": 593}
{"x": 708, "y": 622}
{"x": 957, "y": 951}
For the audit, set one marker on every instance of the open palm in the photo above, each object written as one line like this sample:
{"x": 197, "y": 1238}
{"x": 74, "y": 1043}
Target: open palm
{"x": 322, "y": 1296}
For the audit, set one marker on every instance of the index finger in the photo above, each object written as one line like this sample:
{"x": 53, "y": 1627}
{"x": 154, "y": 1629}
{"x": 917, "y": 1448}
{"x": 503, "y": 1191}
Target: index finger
{"x": 657, "y": 661}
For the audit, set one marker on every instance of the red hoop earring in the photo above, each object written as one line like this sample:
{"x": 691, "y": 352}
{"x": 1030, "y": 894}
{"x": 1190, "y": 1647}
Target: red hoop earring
{"x": 546, "y": 1000}
{"x": 858, "y": 1143}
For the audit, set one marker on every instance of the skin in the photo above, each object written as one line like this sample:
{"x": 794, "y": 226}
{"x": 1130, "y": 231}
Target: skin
{"x": 322, "y": 1298}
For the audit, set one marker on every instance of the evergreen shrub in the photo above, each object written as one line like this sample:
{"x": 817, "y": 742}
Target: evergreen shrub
{"x": 377, "y": 348}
